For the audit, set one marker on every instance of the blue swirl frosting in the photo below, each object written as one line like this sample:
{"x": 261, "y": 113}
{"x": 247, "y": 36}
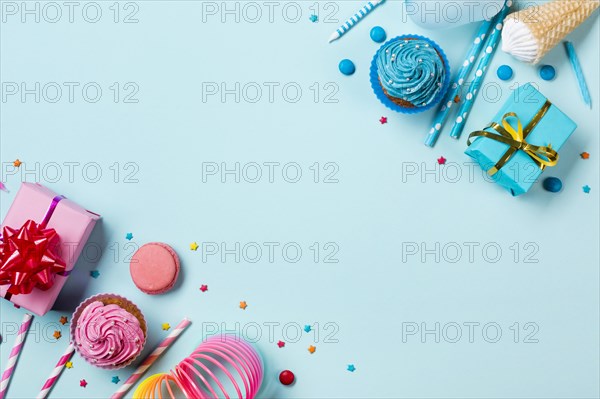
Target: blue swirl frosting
{"x": 411, "y": 70}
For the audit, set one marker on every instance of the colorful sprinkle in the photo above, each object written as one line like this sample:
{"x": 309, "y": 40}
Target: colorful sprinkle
{"x": 194, "y": 246}
{"x": 63, "y": 320}
{"x": 312, "y": 349}
{"x": 204, "y": 288}
{"x": 57, "y": 334}
{"x": 166, "y": 326}
{"x": 69, "y": 365}
{"x": 441, "y": 160}
{"x": 95, "y": 273}
{"x": 383, "y": 120}
{"x": 313, "y": 18}
{"x": 280, "y": 344}
{"x": 115, "y": 379}
{"x": 307, "y": 328}
{"x": 17, "y": 163}
{"x": 586, "y": 189}
{"x": 243, "y": 305}
{"x": 351, "y": 368}
{"x": 83, "y": 383}
{"x": 584, "y": 155}
{"x": 286, "y": 377}
{"x": 3, "y": 187}
{"x": 456, "y": 99}
{"x": 129, "y": 236}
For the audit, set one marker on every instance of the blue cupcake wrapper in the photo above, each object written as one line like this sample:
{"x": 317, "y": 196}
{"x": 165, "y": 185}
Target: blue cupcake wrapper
{"x": 378, "y": 90}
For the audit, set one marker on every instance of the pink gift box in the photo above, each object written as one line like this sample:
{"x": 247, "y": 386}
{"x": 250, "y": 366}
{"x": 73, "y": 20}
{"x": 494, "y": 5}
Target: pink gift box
{"x": 73, "y": 225}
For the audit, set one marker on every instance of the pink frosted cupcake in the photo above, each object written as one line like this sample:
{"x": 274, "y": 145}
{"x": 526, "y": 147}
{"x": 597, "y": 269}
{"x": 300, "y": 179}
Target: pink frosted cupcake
{"x": 108, "y": 331}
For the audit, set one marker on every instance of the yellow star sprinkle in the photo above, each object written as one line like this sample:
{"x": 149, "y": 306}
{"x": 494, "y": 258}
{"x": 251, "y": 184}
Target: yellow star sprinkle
{"x": 69, "y": 365}
{"x": 312, "y": 349}
{"x": 194, "y": 246}
{"x": 57, "y": 334}
{"x": 166, "y": 326}
{"x": 243, "y": 305}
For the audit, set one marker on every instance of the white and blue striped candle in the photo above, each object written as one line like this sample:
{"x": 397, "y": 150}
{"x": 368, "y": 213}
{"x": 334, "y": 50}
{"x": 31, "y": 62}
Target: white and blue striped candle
{"x": 354, "y": 19}
{"x": 490, "y": 47}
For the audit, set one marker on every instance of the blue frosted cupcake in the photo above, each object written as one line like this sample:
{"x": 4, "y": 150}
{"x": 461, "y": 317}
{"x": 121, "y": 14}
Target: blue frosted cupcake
{"x": 410, "y": 74}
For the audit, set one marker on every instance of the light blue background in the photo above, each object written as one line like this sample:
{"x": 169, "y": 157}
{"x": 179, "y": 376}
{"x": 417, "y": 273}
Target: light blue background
{"x": 373, "y": 209}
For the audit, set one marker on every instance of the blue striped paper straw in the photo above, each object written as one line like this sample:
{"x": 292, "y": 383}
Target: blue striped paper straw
{"x": 360, "y": 14}
{"x": 585, "y": 93}
{"x": 490, "y": 47}
{"x": 444, "y": 110}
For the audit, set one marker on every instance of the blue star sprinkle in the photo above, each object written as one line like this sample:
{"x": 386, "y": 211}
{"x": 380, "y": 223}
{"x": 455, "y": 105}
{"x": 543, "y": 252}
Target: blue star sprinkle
{"x": 351, "y": 368}
{"x": 115, "y": 379}
{"x": 129, "y": 236}
{"x": 313, "y": 18}
{"x": 586, "y": 189}
{"x": 307, "y": 328}
{"x": 94, "y": 273}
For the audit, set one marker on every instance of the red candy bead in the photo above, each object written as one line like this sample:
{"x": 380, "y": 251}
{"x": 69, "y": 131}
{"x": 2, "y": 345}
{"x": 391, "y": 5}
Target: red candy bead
{"x": 286, "y": 377}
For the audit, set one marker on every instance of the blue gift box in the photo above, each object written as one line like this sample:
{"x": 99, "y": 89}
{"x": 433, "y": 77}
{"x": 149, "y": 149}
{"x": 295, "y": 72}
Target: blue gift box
{"x": 552, "y": 129}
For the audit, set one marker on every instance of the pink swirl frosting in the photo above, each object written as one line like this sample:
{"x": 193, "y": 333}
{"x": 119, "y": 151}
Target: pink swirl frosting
{"x": 108, "y": 335}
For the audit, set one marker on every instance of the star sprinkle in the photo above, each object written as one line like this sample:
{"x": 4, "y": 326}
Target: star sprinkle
{"x": 280, "y": 344}
{"x": 17, "y": 163}
{"x": 456, "y": 99}
{"x": 204, "y": 288}
{"x": 63, "y": 320}
{"x": 586, "y": 189}
{"x": 307, "y": 328}
{"x": 94, "y": 273}
{"x": 194, "y": 246}
{"x": 313, "y": 18}
{"x": 57, "y": 334}
{"x": 166, "y": 326}
{"x": 441, "y": 160}
{"x": 129, "y": 236}
{"x": 383, "y": 120}
{"x": 115, "y": 379}
{"x": 351, "y": 368}
{"x": 83, "y": 383}
{"x": 312, "y": 349}
{"x": 243, "y": 305}
{"x": 69, "y": 365}
{"x": 584, "y": 155}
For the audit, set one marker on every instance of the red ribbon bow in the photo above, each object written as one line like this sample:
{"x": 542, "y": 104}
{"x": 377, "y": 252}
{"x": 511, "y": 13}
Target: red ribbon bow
{"x": 28, "y": 259}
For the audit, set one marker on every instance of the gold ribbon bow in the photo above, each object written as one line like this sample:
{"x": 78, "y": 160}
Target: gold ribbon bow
{"x": 542, "y": 155}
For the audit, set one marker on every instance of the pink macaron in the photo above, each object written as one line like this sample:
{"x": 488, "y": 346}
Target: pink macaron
{"x": 154, "y": 268}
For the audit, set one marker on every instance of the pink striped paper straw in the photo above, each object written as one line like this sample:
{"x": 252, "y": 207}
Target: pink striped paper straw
{"x": 151, "y": 359}
{"x": 14, "y": 354}
{"x": 56, "y": 372}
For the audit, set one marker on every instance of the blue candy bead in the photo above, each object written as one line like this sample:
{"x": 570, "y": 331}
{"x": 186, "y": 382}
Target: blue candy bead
{"x": 378, "y": 34}
{"x": 547, "y": 72}
{"x": 552, "y": 184}
{"x": 504, "y": 72}
{"x": 347, "y": 67}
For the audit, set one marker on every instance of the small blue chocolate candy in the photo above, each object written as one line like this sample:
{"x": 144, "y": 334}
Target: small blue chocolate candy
{"x": 378, "y": 34}
{"x": 552, "y": 184}
{"x": 347, "y": 67}
{"x": 504, "y": 72}
{"x": 547, "y": 72}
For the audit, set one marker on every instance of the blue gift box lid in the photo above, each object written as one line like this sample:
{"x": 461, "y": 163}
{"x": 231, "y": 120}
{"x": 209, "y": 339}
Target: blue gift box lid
{"x": 520, "y": 172}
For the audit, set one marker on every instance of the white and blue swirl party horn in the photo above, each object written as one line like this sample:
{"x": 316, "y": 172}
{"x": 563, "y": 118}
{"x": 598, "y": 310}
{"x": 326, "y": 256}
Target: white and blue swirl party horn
{"x": 490, "y": 47}
{"x": 360, "y": 14}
